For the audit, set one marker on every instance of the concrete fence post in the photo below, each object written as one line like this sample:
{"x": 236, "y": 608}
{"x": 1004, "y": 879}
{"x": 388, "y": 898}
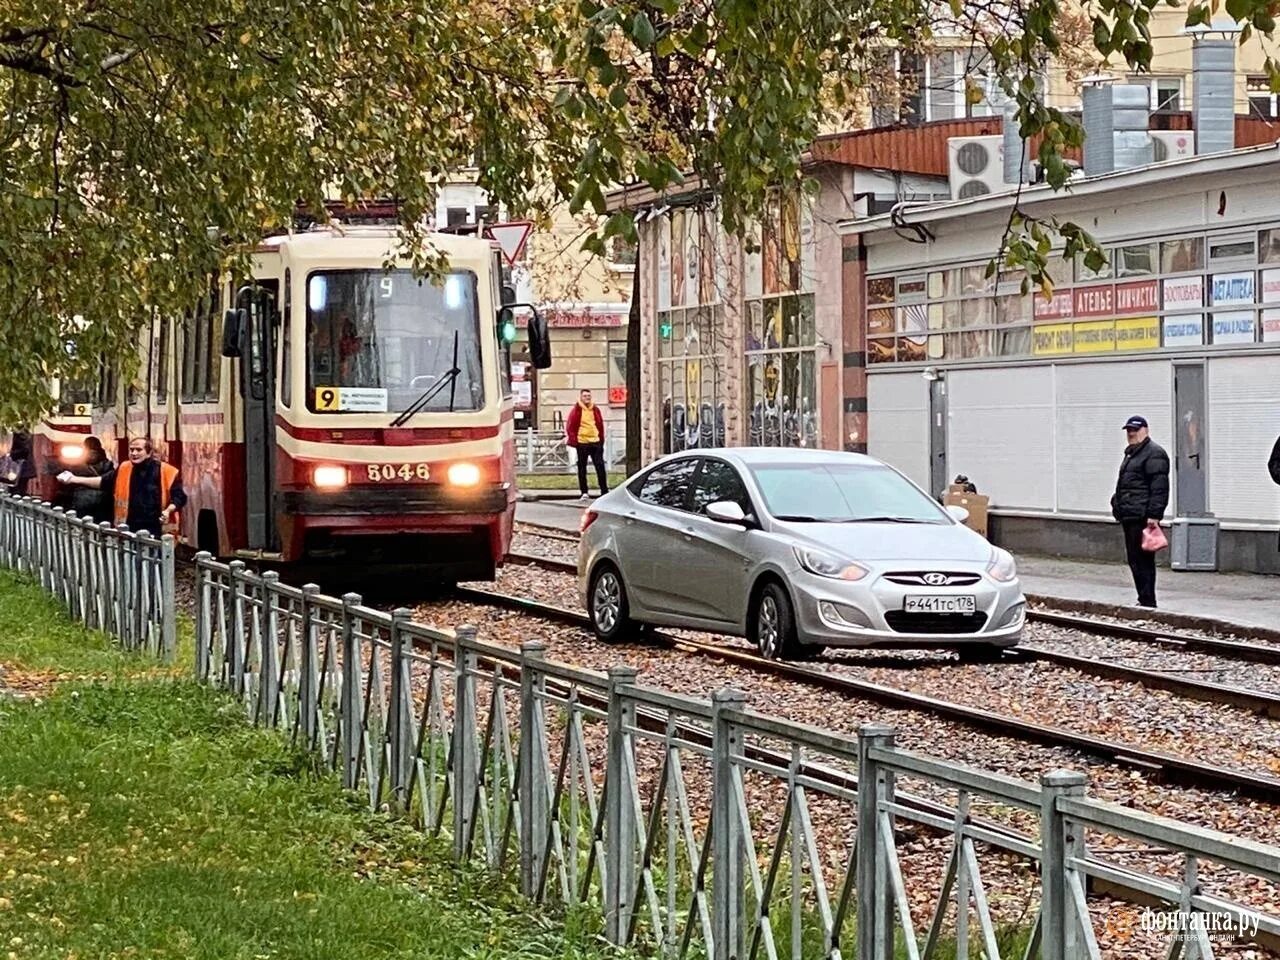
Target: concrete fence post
{"x": 533, "y": 783}
{"x": 466, "y": 753}
{"x": 619, "y": 822}
{"x": 728, "y": 845}
{"x": 400, "y": 721}
{"x": 269, "y": 678}
{"x": 1058, "y": 843}
{"x": 308, "y": 668}
{"x": 168, "y": 600}
{"x": 875, "y": 898}
{"x": 352, "y": 712}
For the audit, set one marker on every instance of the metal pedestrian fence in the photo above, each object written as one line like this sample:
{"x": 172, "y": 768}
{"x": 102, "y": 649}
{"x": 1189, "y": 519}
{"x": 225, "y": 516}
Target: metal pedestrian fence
{"x": 109, "y": 578}
{"x": 698, "y": 827}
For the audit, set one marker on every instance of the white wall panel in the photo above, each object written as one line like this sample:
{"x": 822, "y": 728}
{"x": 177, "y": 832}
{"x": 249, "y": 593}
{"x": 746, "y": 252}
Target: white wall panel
{"x": 1093, "y": 400}
{"x": 898, "y": 422}
{"x": 1244, "y": 421}
{"x": 1000, "y": 434}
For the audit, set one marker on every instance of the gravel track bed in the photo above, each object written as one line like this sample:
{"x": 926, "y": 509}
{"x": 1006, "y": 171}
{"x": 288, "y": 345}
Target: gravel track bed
{"x": 1009, "y": 880}
{"x": 1193, "y": 665}
{"x": 552, "y": 548}
{"x": 1240, "y": 635}
{"x": 697, "y": 676}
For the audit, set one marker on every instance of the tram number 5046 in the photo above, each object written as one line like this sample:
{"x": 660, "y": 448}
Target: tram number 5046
{"x": 397, "y": 472}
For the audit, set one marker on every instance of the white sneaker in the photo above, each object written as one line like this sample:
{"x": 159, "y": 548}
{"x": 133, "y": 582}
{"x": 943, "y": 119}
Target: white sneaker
{"x": 586, "y": 497}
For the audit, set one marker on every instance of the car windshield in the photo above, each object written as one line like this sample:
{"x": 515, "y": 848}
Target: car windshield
{"x": 376, "y": 341}
{"x": 843, "y": 493}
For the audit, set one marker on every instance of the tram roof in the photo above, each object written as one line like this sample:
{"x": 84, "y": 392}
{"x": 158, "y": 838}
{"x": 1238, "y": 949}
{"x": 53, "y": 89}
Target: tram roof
{"x": 323, "y": 242}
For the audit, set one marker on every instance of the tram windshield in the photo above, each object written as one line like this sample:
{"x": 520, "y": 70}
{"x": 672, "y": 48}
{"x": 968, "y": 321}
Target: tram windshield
{"x": 376, "y": 341}
{"x": 74, "y": 398}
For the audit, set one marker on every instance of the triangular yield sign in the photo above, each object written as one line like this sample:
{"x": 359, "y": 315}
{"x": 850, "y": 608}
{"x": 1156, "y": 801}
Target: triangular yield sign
{"x": 511, "y": 238}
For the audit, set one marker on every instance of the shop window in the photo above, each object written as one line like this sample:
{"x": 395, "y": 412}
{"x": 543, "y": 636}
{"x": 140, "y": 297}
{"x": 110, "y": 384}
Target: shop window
{"x": 1085, "y": 274}
{"x": 1182, "y": 256}
{"x": 1269, "y": 246}
{"x": 1138, "y": 260}
{"x": 690, "y": 378}
{"x": 618, "y": 372}
{"x": 622, "y": 253}
{"x": 1231, "y": 248}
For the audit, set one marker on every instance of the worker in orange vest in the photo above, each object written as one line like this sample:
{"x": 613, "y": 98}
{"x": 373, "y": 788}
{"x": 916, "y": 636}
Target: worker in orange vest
{"x": 147, "y": 493}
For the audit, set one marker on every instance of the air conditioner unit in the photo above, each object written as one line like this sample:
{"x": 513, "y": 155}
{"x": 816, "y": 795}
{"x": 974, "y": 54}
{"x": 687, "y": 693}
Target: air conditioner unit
{"x": 976, "y": 165}
{"x": 1172, "y": 144}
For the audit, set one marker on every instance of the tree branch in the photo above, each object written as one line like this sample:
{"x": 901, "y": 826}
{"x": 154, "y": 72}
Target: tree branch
{"x": 29, "y": 63}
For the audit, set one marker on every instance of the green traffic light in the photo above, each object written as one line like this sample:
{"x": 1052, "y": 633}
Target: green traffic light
{"x": 508, "y": 331}
{"x": 664, "y": 330}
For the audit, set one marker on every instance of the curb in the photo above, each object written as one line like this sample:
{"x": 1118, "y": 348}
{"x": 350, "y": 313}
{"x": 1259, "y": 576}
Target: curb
{"x": 1183, "y": 621}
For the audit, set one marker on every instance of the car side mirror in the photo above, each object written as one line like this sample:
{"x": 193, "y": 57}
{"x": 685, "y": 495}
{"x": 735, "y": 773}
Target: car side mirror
{"x": 233, "y": 324}
{"x": 726, "y": 511}
{"x": 958, "y": 513}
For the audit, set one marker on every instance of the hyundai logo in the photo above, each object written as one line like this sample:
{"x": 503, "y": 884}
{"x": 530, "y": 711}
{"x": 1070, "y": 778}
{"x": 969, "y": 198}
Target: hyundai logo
{"x": 936, "y": 579}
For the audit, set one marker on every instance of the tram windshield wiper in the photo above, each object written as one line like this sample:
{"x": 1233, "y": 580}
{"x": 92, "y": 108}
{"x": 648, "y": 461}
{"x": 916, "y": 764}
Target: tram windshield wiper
{"x": 449, "y": 379}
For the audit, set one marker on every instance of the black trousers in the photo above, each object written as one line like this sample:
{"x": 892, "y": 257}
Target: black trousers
{"x": 1141, "y": 562}
{"x": 596, "y": 452}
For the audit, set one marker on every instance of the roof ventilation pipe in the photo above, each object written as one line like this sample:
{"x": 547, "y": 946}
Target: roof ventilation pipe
{"x": 1017, "y": 152}
{"x": 1099, "y": 124}
{"x": 1131, "y": 120}
{"x": 1213, "y": 67}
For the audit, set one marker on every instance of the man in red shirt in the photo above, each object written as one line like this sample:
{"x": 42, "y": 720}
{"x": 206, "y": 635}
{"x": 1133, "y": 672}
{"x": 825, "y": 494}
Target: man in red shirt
{"x": 585, "y": 433}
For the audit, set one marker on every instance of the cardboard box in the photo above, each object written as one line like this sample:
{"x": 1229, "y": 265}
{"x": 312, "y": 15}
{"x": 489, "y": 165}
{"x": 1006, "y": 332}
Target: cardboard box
{"x": 975, "y": 503}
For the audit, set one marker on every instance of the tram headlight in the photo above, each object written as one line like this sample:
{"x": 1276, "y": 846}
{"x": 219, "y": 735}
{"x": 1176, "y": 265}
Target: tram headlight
{"x": 330, "y": 478}
{"x": 464, "y": 474}
{"x": 71, "y": 452}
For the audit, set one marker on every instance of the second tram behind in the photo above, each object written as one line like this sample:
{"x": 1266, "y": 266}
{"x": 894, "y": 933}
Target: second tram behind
{"x": 331, "y": 408}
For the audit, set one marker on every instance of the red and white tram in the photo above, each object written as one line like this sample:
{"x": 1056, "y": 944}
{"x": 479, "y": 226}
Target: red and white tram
{"x": 57, "y": 441}
{"x": 333, "y": 408}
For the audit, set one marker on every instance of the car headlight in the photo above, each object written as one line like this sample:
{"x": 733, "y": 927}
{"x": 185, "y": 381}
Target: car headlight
{"x": 829, "y": 565}
{"x": 1001, "y": 566}
{"x": 330, "y": 478}
{"x": 464, "y": 474}
{"x": 71, "y": 452}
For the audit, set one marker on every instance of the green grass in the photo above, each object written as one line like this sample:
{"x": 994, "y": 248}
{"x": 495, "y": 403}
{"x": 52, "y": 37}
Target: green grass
{"x": 563, "y": 481}
{"x": 142, "y": 817}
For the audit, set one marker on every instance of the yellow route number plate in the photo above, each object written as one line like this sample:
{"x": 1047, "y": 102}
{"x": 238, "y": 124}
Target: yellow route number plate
{"x": 397, "y": 472}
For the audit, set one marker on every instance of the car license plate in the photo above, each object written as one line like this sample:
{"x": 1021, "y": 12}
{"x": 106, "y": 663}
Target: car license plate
{"x": 940, "y": 604}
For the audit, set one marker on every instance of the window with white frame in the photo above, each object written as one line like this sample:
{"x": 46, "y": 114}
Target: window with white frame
{"x": 1262, "y": 102}
{"x": 935, "y": 87}
{"x": 1165, "y": 93}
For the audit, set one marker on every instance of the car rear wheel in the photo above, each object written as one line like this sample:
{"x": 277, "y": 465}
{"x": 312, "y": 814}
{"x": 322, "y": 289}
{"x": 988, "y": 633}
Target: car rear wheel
{"x": 608, "y": 608}
{"x": 774, "y": 628}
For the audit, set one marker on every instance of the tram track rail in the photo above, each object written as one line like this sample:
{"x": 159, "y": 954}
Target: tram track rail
{"x": 1159, "y": 764}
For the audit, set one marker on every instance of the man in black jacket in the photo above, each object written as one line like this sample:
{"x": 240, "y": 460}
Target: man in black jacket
{"x": 1273, "y": 465}
{"x": 1142, "y": 494}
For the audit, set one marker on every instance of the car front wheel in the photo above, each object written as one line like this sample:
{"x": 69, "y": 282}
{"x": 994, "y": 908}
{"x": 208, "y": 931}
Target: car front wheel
{"x": 775, "y": 625}
{"x": 609, "y": 611}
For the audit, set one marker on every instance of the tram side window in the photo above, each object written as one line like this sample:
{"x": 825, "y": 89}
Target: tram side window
{"x": 160, "y": 366}
{"x": 504, "y": 348}
{"x": 286, "y": 342}
{"x": 108, "y": 383}
{"x": 200, "y": 356}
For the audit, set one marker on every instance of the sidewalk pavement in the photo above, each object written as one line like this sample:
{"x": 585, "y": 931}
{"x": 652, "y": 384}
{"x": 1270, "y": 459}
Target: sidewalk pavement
{"x": 1245, "y": 601}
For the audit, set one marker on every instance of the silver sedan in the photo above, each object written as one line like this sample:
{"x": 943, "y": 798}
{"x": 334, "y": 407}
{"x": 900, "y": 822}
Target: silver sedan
{"x": 797, "y": 550}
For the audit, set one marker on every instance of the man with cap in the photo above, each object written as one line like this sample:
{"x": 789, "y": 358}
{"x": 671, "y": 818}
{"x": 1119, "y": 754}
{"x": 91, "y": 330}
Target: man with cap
{"x": 1142, "y": 494}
